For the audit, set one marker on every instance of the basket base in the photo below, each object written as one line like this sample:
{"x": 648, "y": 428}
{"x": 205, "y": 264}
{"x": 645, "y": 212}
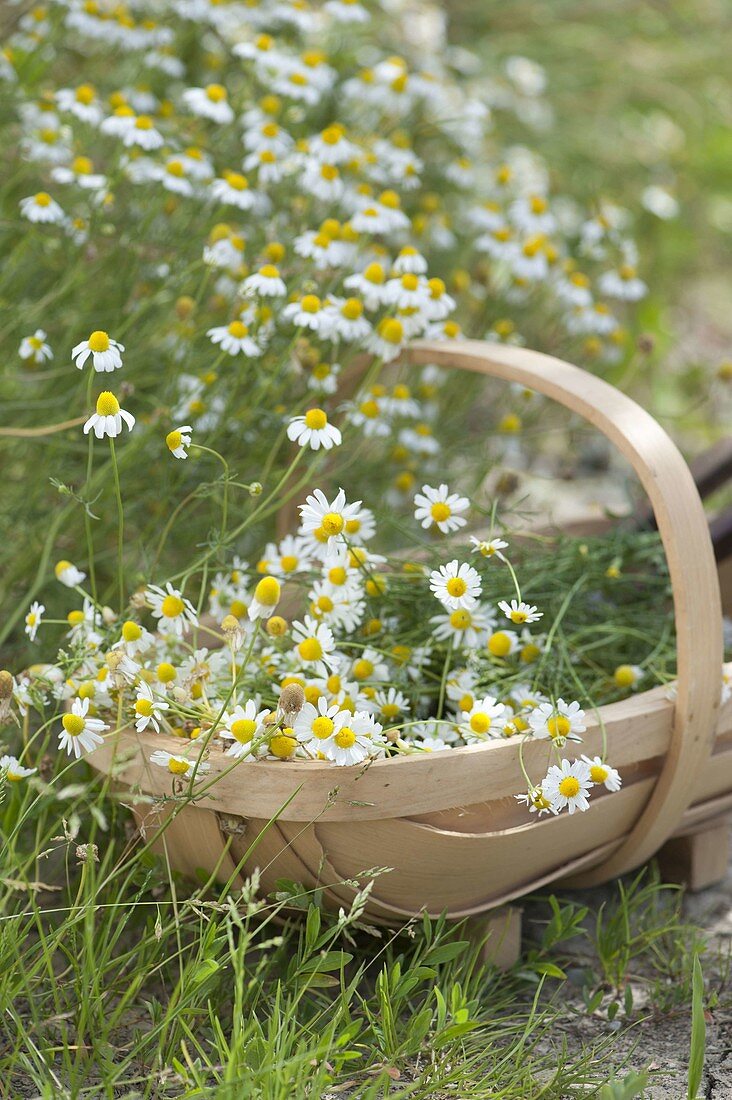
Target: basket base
{"x": 699, "y": 858}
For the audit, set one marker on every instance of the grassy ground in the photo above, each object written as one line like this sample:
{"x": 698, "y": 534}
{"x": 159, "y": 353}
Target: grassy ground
{"x": 118, "y": 980}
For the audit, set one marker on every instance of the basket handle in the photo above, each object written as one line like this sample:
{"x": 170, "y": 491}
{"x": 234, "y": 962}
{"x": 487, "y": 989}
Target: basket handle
{"x": 684, "y": 533}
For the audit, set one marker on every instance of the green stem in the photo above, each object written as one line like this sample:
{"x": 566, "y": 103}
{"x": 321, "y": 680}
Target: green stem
{"x": 120, "y": 528}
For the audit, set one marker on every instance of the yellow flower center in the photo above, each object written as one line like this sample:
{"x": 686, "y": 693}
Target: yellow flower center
{"x": 61, "y": 567}
{"x": 107, "y": 404}
{"x": 283, "y": 745}
{"x": 99, "y": 341}
{"x": 456, "y": 586}
{"x": 410, "y": 281}
{"x": 499, "y": 644}
{"x": 369, "y": 409}
{"x": 288, "y": 563}
{"x": 529, "y": 653}
{"x": 345, "y": 738}
{"x": 322, "y": 727}
{"x": 374, "y": 273}
{"x": 144, "y": 122}
{"x": 598, "y": 774}
{"x": 315, "y": 419}
{"x": 144, "y": 707}
{"x": 73, "y": 724}
{"x": 440, "y": 511}
{"x": 75, "y": 618}
{"x": 82, "y": 166}
{"x": 332, "y": 523}
{"x": 131, "y": 631}
{"x": 337, "y": 575}
{"x": 391, "y": 330}
{"x": 174, "y": 440}
{"x": 624, "y": 676}
{"x": 310, "y": 303}
{"x": 518, "y": 617}
{"x": 352, "y": 309}
{"x": 238, "y": 330}
{"x": 172, "y": 607}
{"x": 43, "y": 198}
{"x": 84, "y": 94}
{"x": 166, "y": 673}
{"x": 216, "y": 93}
{"x": 267, "y": 592}
{"x": 461, "y": 619}
{"x": 236, "y": 180}
{"x": 269, "y": 271}
{"x": 390, "y": 710}
{"x": 310, "y": 649}
{"x": 176, "y": 766}
{"x": 362, "y": 669}
{"x": 569, "y": 786}
{"x": 558, "y": 726}
{"x": 480, "y": 723}
{"x": 243, "y": 729}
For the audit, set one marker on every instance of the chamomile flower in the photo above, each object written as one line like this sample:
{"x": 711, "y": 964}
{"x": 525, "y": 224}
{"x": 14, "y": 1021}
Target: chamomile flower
{"x": 67, "y": 573}
{"x": 34, "y": 619}
{"x": 211, "y": 102}
{"x": 602, "y": 774}
{"x": 519, "y": 612}
{"x": 456, "y": 585}
{"x": 108, "y": 417}
{"x": 464, "y": 627}
{"x": 623, "y": 284}
{"x": 12, "y": 769}
{"x": 489, "y": 548}
{"x": 325, "y": 520}
{"x": 179, "y": 440}
{"x": 134, "y": 638}
{"x": 106, "y": 353}
{"x": 233, "y": 188}
{"x": 568, "y": 785}
{"x": 484, "y": 719}
{"x": 41, "y": 208}
{"x": 241, "y": 726}
{"x": 80, "y": 732}
{"x": 179, "y": 766}
{"x": 265, "y": 282}
{"x": 561, "y": 722}
{"x": 234, "y": 338}
{"x": 355, "y": 739}
{"x": 34, "y": 348}
{"x": 440, "y": 508}
{"x": 81, "y": 102}
{"x": 315, "y": 645}
{"x": 175, "y": 614}
{"x": 389, "y": 704}
{"x": 316, "y": 724}
{"x": 628, "y": 676}
{"x": 308, "y": 313}
{"x": 141, "y": 131}
{"x": 537, "y": 802}
{"x": 314, "y": 430}
{"x": 266, "y": 597}
{"x": 148, "y": 708}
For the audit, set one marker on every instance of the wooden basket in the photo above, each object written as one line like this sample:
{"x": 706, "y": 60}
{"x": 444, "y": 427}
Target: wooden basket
{"x": 448, "y": 824}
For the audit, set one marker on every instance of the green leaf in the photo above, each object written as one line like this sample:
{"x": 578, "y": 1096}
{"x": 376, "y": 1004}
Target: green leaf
{"x": 698, "y": 1032}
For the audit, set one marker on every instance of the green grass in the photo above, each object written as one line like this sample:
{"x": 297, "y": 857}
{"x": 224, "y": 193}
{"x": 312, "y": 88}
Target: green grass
{"x": 119, "y": 979}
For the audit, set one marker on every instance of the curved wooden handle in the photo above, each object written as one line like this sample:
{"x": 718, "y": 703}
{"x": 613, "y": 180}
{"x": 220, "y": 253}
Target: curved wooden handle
{"x": 684, "y": 532}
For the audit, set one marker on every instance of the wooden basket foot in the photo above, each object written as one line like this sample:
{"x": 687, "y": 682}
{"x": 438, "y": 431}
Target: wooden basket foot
{"x": 499, "y": 934}
{"x": 699, "y": 858}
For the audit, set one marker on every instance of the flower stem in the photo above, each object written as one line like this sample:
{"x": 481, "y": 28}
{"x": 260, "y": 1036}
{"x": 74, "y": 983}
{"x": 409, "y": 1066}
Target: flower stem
{"x": 120, "y": 528}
